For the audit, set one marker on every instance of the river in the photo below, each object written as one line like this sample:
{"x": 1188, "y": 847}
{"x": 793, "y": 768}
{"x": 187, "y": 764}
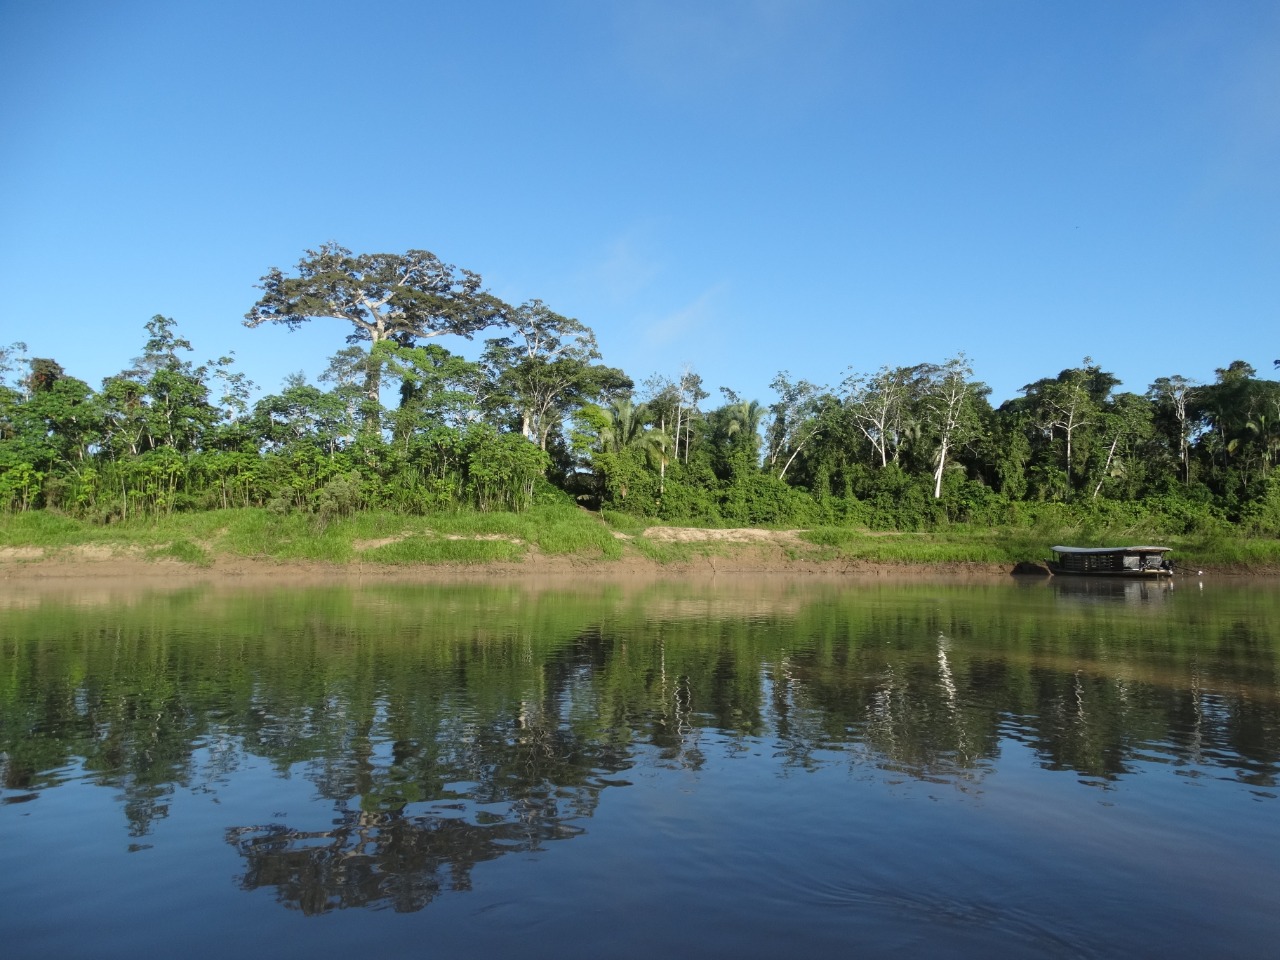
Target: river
{"x": 745, "y": 767}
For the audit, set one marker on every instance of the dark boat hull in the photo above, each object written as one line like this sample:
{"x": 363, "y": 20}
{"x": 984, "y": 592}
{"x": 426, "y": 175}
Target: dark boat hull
{"x": 1059, "y": 571}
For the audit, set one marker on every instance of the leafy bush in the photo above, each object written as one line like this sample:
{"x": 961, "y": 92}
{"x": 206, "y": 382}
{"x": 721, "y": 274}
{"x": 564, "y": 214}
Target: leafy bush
{"x": 340, "y": 497}
{"x": 502, "y": 470}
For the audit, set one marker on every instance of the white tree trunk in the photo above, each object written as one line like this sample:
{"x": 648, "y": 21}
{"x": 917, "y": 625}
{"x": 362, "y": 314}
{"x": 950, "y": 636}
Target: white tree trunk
{"x": 937, "y": 474}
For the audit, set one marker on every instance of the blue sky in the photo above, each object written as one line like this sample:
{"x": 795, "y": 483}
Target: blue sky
{"x": 739, "y": 186}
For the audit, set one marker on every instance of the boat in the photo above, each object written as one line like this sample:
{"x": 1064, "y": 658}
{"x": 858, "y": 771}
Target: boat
{"x": 1139, "y": 563}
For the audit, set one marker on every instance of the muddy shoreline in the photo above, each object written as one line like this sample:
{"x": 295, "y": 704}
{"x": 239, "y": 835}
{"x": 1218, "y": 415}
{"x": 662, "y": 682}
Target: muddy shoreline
{"x": 745, "y": 553}
{"x": 67, "y": 569}
{"x": 68, "y": 565}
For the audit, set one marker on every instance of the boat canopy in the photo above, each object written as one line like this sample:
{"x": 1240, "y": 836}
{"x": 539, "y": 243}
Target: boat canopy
{"x": 1102, "y": 550}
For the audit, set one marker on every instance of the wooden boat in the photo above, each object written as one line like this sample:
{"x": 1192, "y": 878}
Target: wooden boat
{"x": 1140, "y": 563}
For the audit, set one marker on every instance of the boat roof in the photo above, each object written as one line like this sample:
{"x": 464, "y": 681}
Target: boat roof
{"x": 1111, "y": 549}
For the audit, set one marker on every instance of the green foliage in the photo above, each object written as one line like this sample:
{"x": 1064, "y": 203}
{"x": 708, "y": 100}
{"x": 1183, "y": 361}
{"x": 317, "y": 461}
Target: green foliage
{"x": 761, "y": 499}
{"x": 690, "y": 498}
{"x": 545, "y": 370}
{"x": 502, "y": 470}
{"x": 385, "y": 297}
{"x": 629, "y": 483}
{"x": 340, "y": 497}
{"x": 547, "y": 495}
{"x": 1261, "y": 518}
{"x": 540, "y": 421}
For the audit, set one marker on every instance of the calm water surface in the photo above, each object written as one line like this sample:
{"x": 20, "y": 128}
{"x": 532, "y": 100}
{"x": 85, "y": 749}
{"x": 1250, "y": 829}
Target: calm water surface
{"x": 741, "y": 768}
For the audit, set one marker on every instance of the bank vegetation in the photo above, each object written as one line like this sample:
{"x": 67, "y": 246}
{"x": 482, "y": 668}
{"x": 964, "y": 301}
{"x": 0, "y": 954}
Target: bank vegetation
{"x": 540, "y": 445}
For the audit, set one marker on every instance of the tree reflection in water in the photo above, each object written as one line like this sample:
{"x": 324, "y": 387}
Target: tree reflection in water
{"x": 388, "y": 858}
{"x": 443, "y": 727}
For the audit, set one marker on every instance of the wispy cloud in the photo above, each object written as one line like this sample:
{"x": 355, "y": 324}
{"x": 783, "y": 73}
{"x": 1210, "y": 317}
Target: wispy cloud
{"x": 1228, "y": 80}
{"x": 624, "y": 270}
{"x": 630, "y": 275}
{"x": 690, "y": 320}
{"x": 1254, "y": 106}
{"x": 695, "y": 48}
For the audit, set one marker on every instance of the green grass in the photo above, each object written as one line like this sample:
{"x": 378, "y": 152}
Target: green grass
{"x": 568, "y": 530}
{"x": 184, "y": 551}
{"x": 912, "y": 548}
{"x": 1218, "y": 551}
{"x": 624, "y": 522}
{"x": 668, "y": 552}
{"x": 38, "y": 528}
{"x": 259, "y": 533}
{"x": 561, "y": 529}
{"x": 556, "y": 529}
{"x": 433, "y": 550}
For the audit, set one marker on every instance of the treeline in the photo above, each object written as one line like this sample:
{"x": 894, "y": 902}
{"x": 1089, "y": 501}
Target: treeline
{"x": 541, "y": 415}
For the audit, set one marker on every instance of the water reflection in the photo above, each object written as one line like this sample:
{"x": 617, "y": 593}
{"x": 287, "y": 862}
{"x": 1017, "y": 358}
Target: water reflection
{"x": 1101, "y": 589}
{"x": 444, "y": 727}
{"x": 388, "y": 858}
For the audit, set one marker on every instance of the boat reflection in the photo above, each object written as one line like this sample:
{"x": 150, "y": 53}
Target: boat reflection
{"x": 1105, "y": 590}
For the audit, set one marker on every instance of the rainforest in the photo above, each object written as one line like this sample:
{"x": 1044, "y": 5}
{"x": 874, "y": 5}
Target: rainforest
{"x": 400, "y": 423}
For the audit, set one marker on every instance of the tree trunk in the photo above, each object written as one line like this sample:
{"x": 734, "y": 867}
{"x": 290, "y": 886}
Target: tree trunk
{"x": 372, "y": 393}
{"x": 937, "y": 474}
{"x": 1106, "y": 466}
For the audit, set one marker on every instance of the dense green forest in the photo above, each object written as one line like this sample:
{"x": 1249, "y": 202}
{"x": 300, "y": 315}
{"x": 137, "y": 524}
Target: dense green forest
{"x": 400, "y": 422}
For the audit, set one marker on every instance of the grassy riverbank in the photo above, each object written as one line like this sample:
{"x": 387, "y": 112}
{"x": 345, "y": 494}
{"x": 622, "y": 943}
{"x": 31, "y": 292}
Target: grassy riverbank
{"x": 571, "y": 535}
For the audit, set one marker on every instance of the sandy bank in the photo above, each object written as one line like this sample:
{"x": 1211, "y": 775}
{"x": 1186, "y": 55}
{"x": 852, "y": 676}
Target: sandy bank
{"x": 727, "y": 552}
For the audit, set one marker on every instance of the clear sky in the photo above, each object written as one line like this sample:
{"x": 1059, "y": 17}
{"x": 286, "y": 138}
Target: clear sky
{"x": 741, "y": 186}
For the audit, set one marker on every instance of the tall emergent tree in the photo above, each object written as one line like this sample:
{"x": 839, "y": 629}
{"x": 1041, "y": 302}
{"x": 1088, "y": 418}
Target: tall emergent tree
{"x": 879, "y": 406}
{"x": 1068, "y": 408}
{"x": 797, "y": 417}
{"x": 1172, "y": 397}
{"x": 384, "y": 296}
{"x": 12, "y": 357}
{"x": 950, "y": 408}
{"x": 163, "y": 399}
{"x": 546, "y": 368}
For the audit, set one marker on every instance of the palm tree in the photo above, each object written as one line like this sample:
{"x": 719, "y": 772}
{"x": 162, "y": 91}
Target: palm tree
{"x": 744, "y": 420}
{"x": 1266, "y": 431}
{"x": 625, "y": 425}
{"x": 627, "y": 428}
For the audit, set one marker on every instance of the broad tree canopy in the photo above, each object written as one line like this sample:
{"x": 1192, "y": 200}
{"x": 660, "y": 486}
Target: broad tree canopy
{"x": 384, "y": 296}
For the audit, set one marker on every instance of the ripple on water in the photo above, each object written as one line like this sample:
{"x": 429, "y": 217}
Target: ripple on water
{"x": 967, "y": 923}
